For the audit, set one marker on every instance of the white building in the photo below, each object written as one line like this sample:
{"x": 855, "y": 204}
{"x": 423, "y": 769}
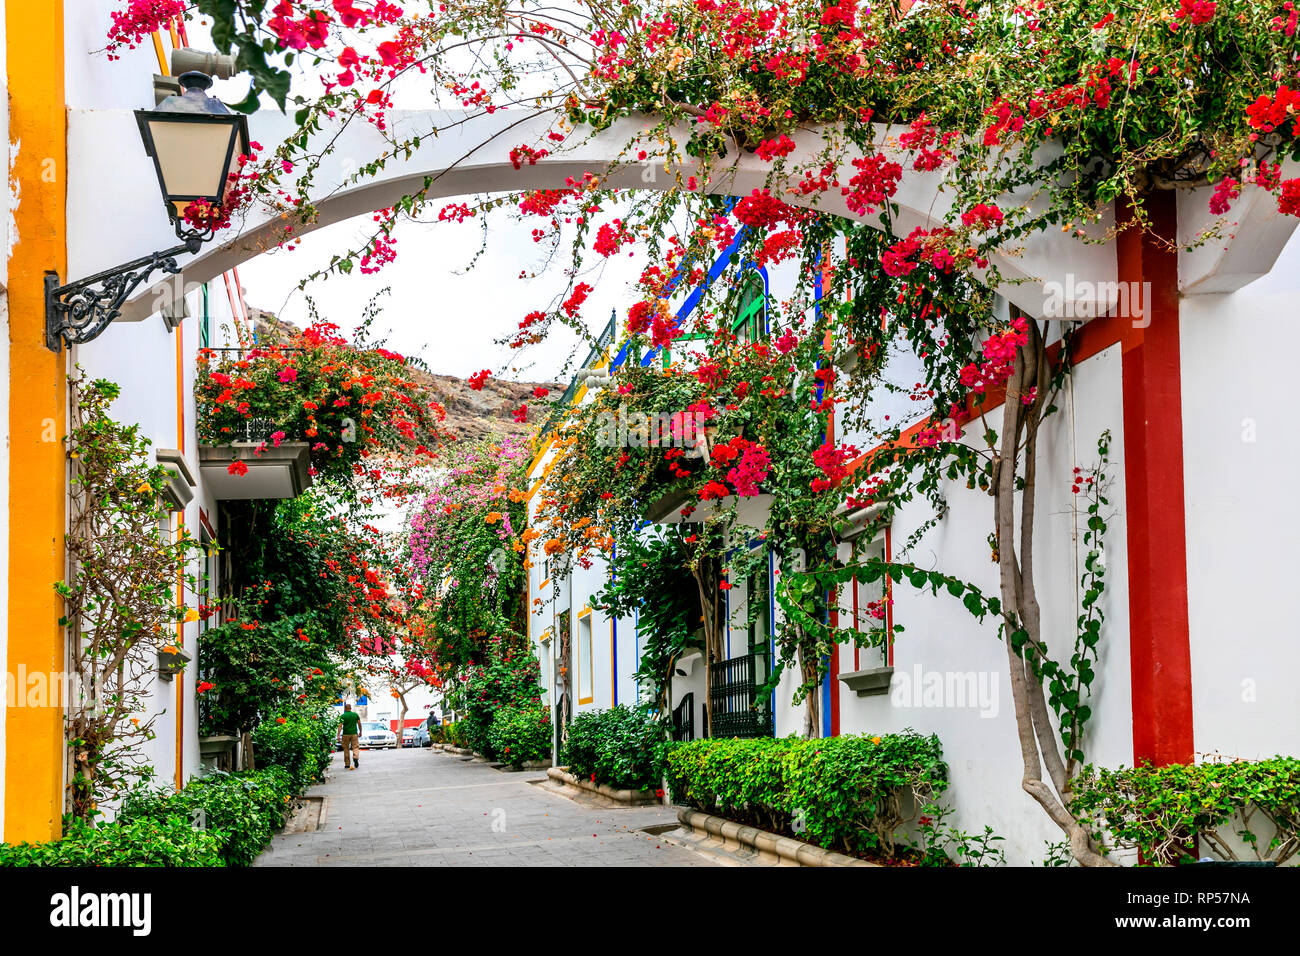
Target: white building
{"x": 1196, "y": 644}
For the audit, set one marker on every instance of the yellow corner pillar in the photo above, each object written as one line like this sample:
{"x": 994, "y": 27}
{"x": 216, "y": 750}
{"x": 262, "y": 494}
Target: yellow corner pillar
{"x": 34, "y": 749}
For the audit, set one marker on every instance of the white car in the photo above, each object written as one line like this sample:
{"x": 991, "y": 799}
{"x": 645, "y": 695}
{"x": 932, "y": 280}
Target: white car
{"x": 375, "y": 735}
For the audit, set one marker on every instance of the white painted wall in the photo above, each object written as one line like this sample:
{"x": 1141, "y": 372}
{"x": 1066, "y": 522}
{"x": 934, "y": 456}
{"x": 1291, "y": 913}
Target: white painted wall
{"x": 1241, "y": 461}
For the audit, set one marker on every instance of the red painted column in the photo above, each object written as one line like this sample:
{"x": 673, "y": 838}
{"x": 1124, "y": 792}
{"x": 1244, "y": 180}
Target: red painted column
{"x": 1160, "y": 652}
{"x": 833, "y": 672}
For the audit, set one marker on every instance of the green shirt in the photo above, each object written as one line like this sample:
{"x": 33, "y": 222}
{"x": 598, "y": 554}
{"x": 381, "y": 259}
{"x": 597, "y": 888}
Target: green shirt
{"x": 351, "y": 722}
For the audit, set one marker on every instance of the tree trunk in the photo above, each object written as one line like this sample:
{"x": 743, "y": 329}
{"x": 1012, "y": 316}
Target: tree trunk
{"x": 712, "y": 637}
{"x": 807, "y": 674}
{"x": 1020, "y": 606}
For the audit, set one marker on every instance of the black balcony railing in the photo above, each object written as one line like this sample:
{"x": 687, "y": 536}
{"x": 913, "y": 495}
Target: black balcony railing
{"x": 734, "y": 708}
{"x": 684, "y": 719}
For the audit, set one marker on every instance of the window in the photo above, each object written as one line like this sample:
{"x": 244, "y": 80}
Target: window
{"x": 205, "y": 322}
{"x": 750, "y": 323}
{"x": 759, "y": 616}
{"x": 586, "y": 673}
{"x": 869, "y": 609}
{"x": 208, "y": 581}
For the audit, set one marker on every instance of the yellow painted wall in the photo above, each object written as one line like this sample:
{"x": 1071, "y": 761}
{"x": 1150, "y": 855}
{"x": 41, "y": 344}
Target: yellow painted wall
{"x": 34, "y": 751}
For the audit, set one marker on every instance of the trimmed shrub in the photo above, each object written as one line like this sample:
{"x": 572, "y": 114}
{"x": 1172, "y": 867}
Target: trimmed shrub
{"x": 454, "y": 734}
{"x": 303, "y": 744}
{"x": 521, "y": 734}
{"x": 242, "y": 810}
{"x": 509, "y": 678}
{"x": 850, "y": 793}
{"x": 1163, "y": 811}
{"x": 621, "y": 747}
{"x": 170, "y": 842}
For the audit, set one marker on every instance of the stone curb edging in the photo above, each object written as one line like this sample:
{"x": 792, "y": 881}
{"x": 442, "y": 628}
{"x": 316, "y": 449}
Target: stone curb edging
{"x": 448, "y": 748}
{"x": 633, "y": 798}
{"x": 739, "y": 836}
{"x": 529, "y": 765}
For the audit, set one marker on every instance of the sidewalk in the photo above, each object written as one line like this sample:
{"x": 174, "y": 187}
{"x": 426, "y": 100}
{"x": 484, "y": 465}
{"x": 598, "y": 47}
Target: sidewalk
{"x": 418, "y": 807}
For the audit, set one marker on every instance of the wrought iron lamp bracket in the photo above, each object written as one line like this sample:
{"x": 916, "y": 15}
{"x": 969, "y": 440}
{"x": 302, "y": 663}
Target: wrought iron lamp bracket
{"x": 78, "y": 312}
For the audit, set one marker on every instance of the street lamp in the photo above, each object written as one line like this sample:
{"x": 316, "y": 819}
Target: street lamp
{"x": 195, "y": 142}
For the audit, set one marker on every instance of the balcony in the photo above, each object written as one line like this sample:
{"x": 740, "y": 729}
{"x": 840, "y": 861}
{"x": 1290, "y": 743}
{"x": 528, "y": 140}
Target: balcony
{"x": 272, "y": 472}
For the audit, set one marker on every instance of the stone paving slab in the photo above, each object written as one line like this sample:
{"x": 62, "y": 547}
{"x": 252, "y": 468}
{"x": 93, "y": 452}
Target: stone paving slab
{"x": 417, "y": 807}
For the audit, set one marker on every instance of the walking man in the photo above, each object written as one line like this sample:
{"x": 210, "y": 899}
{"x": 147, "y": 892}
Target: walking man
{"x": 351, "y": 730}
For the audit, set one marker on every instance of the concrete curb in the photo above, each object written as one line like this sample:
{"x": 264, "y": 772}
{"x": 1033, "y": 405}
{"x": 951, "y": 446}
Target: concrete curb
{"x": 529, "y": 766}
{"x": 633, "y": 798}
{"x": 738, "y": 836}
{"x": 449, "y": 749}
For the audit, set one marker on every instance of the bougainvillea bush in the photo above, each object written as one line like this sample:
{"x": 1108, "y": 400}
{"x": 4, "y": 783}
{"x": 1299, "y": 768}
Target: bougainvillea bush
{"x": 466, "y": 553}
{"x": 359, "y": 409}
{"x": 1124, "y": 101}
{"x": 508, "y": 679}
{"x": 315, "y": 595}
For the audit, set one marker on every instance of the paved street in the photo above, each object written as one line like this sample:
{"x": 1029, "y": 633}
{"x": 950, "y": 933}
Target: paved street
{"x": 420, "y": 807}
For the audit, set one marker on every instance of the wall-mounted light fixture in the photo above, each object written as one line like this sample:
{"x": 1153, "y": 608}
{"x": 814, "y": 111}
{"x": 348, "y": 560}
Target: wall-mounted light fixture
{"x": 195, "y": 142}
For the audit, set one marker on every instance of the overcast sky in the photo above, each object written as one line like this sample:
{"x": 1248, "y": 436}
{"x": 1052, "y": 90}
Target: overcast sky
{"x": 436, "y": 309}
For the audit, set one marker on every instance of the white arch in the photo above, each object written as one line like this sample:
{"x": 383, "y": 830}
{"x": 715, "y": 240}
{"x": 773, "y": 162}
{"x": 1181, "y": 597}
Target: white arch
{"x": 471, "y": 156}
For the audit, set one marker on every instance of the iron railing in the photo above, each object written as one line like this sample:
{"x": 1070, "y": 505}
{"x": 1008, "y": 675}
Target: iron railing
{"x": 734, "y": 708}
{"x": 684, "y": 719}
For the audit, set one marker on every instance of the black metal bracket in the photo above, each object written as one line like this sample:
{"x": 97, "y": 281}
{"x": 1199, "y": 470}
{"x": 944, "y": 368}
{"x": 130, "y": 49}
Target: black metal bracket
{"x": 78, "y": 312}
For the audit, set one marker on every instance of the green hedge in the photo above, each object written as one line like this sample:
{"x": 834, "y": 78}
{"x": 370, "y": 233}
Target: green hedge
{"x": 1164, "y": 811}
{"x": 301, "y": 743}
{"x": 850, "y": 793}
{"x": 242, "y": 809}
{"x": 454, "y": 734}
{"x": 170, "y": 842}
{"x": 224, "y": 819}
{"x": 521, "y": 734}
{"x": 508, "y": 679}
{"x": 621, "y": 747}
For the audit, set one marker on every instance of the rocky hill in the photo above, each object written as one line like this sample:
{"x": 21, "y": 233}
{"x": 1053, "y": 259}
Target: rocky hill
{"x": 471, "y": 415}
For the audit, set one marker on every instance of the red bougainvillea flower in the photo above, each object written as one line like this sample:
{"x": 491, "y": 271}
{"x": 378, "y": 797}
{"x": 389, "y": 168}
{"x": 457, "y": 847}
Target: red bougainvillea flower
{"x": 1225, "y": 192}
{"x": 1267, "y": 113}
{"x": 639, "y": 317}
{"x": 769, "y": 149}
{"x": 138, "y": 20}
{"x": 477, "y": 379}
{"x": 1288, "y": 202}
{"x": 521, "y": 414}
{"x": 575, "y": 300}
{"x": 237, "y": 467}
{"x": 1199, "y": 12}
{"x": 983, "y": 216}
{"x": 204, "y": 687}
{"x": 541, "y": 391}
